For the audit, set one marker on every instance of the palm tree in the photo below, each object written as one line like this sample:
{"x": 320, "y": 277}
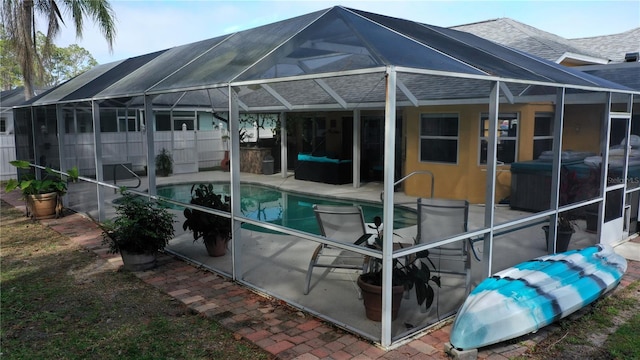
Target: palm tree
{"x": 19, "y": 20}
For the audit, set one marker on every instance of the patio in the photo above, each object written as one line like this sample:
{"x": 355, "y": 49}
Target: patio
{"x": 276, "y": 264}
{"x": 279, "y": 330}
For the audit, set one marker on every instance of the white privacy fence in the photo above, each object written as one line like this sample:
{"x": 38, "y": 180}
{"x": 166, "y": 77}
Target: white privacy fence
{"x": 7, "y": 153}
{"x": 190, "y": 150}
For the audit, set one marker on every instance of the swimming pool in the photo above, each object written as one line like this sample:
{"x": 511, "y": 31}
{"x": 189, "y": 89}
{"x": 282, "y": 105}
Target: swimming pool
{"x": 280, "y": 207}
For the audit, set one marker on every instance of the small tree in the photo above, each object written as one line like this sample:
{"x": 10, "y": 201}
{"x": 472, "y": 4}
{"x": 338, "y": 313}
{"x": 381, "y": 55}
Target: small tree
{"x": 257, "y": 121}
{"x": 64, "y": 63}
{"x": 10, "y": 74}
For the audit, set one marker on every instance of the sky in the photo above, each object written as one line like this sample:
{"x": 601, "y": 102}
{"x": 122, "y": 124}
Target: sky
{"x": 145, "y": 26}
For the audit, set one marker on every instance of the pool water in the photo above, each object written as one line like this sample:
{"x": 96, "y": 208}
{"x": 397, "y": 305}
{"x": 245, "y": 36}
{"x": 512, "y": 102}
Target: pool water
{"x": 288, "y": 209}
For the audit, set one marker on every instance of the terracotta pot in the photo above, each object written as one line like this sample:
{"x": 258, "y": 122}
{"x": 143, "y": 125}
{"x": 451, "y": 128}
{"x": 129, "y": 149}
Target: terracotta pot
{"x": 42, "y": 206}
{"x": 138, "y": 262}
{"x": 215, "y": 248}
{"x": 372, "y": 296}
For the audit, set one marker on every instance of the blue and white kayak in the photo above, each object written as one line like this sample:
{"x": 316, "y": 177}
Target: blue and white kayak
{"x": 524, "y": 298}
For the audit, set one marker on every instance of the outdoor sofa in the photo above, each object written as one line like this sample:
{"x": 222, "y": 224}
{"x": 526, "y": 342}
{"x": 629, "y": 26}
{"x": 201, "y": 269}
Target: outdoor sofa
{"x": 323, "y": 169}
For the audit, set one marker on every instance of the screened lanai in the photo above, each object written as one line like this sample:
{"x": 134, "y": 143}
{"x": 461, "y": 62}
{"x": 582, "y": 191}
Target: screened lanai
{"x": 413, "y": 102}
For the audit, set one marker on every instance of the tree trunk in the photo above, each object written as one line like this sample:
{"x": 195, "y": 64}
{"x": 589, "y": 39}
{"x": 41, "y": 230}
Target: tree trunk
{"x": 25, "y": 46}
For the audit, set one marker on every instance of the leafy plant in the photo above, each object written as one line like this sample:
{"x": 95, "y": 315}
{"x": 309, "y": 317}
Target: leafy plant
{"x": 51, "y": 182}
{"x": 140, "y": 226}
{"x": 204, "y": 225}
{"x": 414, "y": 272}
{"x": 565, "y": 224}
{"x": 575, "y": 188}
{"x": 164, "y": 163}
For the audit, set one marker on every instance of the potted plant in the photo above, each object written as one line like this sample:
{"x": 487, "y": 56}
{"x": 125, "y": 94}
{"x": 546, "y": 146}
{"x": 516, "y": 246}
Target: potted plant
{"x": 214, "y": 230}
{"x": 564, "y": 232}
{"x": 43, "y": 197}
{"x": 164, "y": 163}
{"x": 574, "y": 188}
{"x": 413, "y": 272}
{"x": 140, "y": 229}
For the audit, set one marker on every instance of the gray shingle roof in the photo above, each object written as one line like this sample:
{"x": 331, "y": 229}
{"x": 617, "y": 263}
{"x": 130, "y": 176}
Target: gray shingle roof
{"x": 15, "y": 97}
{"x": 615, "y": 46}
{"x": 627, "y": 74}
{"x": 526, "y": 38}
{"x": 9, "y": 98}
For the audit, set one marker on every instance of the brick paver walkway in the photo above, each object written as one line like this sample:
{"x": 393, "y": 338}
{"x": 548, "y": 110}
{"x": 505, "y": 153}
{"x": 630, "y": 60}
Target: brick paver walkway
{"x": 279, "y": 329}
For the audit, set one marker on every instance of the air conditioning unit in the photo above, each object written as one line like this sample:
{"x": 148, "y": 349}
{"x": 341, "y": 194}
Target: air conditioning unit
{"x": 632, "y": 57}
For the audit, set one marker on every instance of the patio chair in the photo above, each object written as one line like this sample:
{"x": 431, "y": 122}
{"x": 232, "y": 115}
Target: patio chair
{"x": 442, "y": 218}
{"x": 341, "y": 223}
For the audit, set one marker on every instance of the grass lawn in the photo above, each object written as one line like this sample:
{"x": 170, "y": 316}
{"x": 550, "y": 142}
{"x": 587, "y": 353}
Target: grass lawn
{"x": 625, "y": 342}
{"x": 59, "y": 301}
{"x": 609, "y": 329}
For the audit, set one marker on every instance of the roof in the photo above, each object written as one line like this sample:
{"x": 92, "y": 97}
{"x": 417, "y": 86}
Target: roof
{"x": 15, "y": 97}
{"x": 627, "y": 74}
{"x": 334, "y": 58}
{"x": 527, "y": 38}
{"x": 615, "y": 46}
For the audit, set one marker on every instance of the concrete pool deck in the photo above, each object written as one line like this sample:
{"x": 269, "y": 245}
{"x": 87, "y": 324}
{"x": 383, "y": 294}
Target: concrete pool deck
{"x": 279, "y": 329}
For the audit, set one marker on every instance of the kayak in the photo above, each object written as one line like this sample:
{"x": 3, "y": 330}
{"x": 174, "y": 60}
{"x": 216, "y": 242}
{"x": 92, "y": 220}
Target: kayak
{"x": 526, "y": 297}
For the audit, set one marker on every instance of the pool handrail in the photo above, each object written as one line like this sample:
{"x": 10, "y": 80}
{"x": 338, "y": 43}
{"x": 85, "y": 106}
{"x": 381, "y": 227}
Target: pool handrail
{"x": 417, "y": 172}
{"x": 115, "y": 178}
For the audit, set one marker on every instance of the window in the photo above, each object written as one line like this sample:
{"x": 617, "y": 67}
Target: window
{"x": 69, "y": 123}
{"x": 84, "y": 118}
{"x": 163, "y": 121}
{"x": 542, "y": 133}
{"x": 507, "y": 137}
{"x": 108, "y": 120}
{"x": 439, "y": 138}
{"x": 181, "y": 118}
{"x": 178, "y": 123}
{"x": 127, "y": 123}
{"x": 3, "y": 124}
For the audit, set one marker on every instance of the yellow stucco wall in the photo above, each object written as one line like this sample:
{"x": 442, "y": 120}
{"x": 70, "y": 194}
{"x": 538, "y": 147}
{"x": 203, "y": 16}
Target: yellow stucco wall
{"x": 467, "y": 178}
{"x": 582, "y": 127}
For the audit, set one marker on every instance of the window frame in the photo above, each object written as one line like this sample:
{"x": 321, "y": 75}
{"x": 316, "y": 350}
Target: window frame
{"x": 83, "y": 120}
{"x": 4, "y": 125}
{"x": 128, "y": 123}
{"x": 456, "y": 138}
{"x": 540, "y": 114}
{"x": 502, "y": 116}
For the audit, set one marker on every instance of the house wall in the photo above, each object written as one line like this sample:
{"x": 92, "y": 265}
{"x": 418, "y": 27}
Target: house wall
{"x": 582, "y": 127}
{"x": 467, "y": 178}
